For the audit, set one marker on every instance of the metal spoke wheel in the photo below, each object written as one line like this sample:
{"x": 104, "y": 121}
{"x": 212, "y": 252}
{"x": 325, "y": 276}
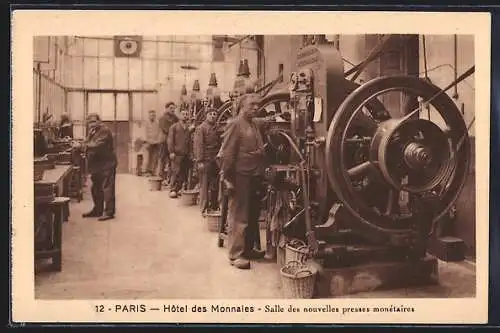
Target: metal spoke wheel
{"x": 390, "y": 169}
{"x": 224, "y": 113}
{"x": 274, "y": 103}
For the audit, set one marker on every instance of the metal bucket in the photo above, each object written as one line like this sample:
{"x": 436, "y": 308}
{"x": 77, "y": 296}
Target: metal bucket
{"x": 189, "y": 197}
{"x": 155, "y": 183}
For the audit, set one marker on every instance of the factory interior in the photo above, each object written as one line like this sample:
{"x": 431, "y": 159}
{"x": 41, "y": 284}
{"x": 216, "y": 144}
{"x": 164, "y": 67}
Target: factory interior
{"x": 160, "y": 243}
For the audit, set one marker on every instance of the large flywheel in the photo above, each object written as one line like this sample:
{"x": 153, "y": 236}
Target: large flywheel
{"x": 395, "y": 169}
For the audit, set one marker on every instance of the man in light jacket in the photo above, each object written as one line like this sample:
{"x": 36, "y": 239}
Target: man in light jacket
{"x": 153, "y": 137}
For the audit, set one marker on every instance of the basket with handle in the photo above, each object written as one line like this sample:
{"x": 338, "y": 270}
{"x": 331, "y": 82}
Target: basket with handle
{"x": 296, "y": 250}
{"x": 298, "y": 280}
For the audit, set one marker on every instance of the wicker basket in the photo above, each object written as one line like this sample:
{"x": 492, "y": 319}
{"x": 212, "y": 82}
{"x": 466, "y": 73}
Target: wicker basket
{"x": 296, "y": 250}
{"x": 213, "y": 220}
{"x": 298, "y": 280}
{"x": 189, "y": 197}
{"x": 155, "y": 183}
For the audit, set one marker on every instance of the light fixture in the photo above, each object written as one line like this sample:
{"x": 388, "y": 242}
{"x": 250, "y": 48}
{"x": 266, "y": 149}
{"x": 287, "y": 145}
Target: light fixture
{"x": 213, "y": 91}
{"x": 189, "y": 67}
{"x": 183, "y": 98}
{"x": 196, "y": 93}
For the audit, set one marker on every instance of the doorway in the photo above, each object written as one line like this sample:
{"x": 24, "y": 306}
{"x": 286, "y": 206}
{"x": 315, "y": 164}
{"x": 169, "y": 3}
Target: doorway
{"x": 115, "y": 110}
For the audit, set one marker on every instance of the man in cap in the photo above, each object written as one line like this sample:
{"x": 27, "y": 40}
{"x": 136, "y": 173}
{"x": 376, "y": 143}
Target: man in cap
{"x": 206, "y": 146}
{"x": 101, "y": 160}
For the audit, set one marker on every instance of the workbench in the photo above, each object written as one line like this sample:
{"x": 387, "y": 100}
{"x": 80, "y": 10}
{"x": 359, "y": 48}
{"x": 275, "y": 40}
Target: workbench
{"x": 58, "y": 177}
{"x": 50, "y": 211}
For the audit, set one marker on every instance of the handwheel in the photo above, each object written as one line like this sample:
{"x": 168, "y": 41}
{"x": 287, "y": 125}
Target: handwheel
{"x": 224, "y": 113}
{"x": 399, "y": 166}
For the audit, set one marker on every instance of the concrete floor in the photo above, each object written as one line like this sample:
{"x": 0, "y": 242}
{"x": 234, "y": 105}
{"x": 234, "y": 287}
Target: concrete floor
{"x": 157, "y": 249}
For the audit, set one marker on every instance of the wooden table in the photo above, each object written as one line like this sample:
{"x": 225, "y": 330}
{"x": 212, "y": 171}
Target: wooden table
{"x": 59, "y": 177}
{"x": 50, "y": 214}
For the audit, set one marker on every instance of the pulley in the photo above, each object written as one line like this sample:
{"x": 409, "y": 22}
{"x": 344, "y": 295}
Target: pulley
{"x": 385, "y": 166}
{"x": 417, "y": 149}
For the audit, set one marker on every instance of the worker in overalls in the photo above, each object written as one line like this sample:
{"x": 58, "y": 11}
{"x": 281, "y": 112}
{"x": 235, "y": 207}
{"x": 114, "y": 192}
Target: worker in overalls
{"x": 241, "y": 158}
{"x": 206, "y": 146}
{"x": 101, "y": 162}
{"x": 178, "y": 142}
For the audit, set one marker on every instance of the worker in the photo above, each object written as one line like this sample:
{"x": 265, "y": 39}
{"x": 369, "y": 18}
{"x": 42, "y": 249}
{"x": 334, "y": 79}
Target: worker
{"x": 179, "y": 142}
{"x": 206, "y": 146}
{"x": 153, "y": 137}
{"x": 166, "y": 121}
{"x": 101, "y": 164}
{"x": 65, "y": 128}
{"x": 241, "y": 158}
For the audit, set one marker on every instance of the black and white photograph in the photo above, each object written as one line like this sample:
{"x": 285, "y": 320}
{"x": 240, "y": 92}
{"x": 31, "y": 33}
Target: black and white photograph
{"x": 254, "y": 166}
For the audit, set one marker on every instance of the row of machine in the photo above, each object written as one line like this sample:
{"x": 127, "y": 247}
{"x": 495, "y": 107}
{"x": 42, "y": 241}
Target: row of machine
{"x": 361, "y": 179}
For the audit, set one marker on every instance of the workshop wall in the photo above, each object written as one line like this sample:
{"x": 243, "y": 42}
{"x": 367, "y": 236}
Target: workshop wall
{"x": 83, "y": 74}
{"x": 154, "y": 76}
{"x": 445, "y": 58}
{"x": 48, "y": 76}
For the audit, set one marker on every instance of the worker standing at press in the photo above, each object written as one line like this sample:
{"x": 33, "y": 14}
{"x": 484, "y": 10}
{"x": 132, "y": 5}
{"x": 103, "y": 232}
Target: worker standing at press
{"x": 179, "y": 140}
{"x": 242, "y": 163}
{"x": 206, "y": 146}
{"x": 166, "y": 121}
{"x": 154, "y": 137}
